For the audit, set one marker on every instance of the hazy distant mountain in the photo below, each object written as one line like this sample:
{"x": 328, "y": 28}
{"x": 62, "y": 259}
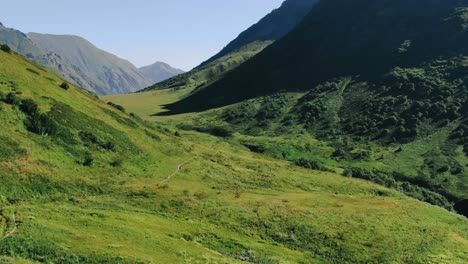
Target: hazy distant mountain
{"x": 82, "y": 63}
{"x": 272, "y": 27}
{"x": 158, "y": 72}
{"x": 107, "y": 73}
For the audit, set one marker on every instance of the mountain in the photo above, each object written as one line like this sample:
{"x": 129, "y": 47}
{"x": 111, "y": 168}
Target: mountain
{"x": 85, "y": 182}
{"x": 210, "y": 72}
{"x": 80, "y": 62}
{"x": 270, "y": 28}
{"x": 158, "y": 72}
{"x": 19, "y": 42}
{"x": 359, "y": 39}
{"x": 381, "y": 83}
{"x": 250, "y": 42}
{"x": 107, "y": 73}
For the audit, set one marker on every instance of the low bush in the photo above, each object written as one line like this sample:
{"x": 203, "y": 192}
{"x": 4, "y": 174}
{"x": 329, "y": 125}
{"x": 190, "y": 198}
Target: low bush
{"x": 116, "y": 106}
{"x": 417, "y": 188}
{"x": 311, "y": 164}
{"x": 117, "y": 163}
{"x": 88, "y": 160}
{"x": 5, "y": 48}
{"x": 41, "y": 124}
{"x": 29, "y": 107}
{"x": 65, "y": 86}
{"x": 12, "y": 99}
{"x": 88, "y": 138}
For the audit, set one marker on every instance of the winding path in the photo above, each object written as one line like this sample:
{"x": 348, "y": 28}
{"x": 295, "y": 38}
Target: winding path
{"x": 178, "y": 169}
{"x": 13, "y": 230}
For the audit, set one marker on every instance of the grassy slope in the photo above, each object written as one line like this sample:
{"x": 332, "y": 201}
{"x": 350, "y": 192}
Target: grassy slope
{"x": 407, "y": 94}
{"x": 271, "y": 212}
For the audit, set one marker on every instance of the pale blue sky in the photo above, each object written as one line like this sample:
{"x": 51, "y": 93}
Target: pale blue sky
{"x": 182, "y": 33}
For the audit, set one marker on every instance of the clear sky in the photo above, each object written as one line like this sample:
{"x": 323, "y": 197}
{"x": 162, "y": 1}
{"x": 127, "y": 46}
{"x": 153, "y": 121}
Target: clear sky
{"x": 182, "y": 33}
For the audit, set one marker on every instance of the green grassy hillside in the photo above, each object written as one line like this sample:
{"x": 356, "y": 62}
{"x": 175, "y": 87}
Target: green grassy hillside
{"x": 83, "y": 182}
{"x": 389, "y": 102}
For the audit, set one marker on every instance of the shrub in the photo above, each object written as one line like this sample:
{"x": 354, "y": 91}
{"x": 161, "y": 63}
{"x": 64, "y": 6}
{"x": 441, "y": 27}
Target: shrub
{"x": 220, "y": 132}
{"x": 65, "y": 86}
{"x": 5, "y": 48}
{"x": 116, "y": 106}
{"x": 88, "y": 160}
{"x": 12, "y": 98}
{"x": 41, "y": 124}
{"x": 311, "y": 164}
{"x": 109, "y": 146}
{"x": 117, "y": 163}
{"x": 29, "y": 107}
{"x": 88, "y": 138}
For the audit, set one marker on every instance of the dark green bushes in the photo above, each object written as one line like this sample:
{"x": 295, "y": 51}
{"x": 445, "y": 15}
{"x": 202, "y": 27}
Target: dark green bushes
{"x": 88, "y": 160}
{"x": 311, "y": 164}
{"x": 91, "y": 139}
{"x": 41, "y": 124}
{"x": 116, "y": 106}
{"x": 29, "y": 107}
{"x": 65, "y": 86}
{"x": 413, "y": 187}
{"x": 12, "y": 99}
{"x": 5, "y": 48}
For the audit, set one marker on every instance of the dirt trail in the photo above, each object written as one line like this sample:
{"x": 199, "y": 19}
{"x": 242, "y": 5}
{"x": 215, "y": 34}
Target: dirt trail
{"x": 13, "y": 230}
{"x": 178, "y": 169}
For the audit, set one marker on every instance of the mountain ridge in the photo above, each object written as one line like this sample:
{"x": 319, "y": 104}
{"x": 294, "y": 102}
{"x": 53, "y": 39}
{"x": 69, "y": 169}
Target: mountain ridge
{"x": 271, "y": 27}
{"x": 328, "y": 58}
{"x": 110, "y": 75}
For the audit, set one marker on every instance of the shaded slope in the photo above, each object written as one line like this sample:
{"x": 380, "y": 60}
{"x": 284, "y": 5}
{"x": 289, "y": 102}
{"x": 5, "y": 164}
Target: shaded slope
{"x": 365, "y": 38}
{"x": 202, "y": 76}
{"x": 270, "y": 28}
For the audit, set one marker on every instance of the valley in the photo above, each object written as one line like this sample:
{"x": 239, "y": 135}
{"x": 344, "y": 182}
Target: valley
{"x": 328, "y": 132}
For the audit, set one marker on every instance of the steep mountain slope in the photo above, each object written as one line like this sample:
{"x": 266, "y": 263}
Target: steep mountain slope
{"x": 83, "y": 182}
{"x": 366, "y": 38}
{"x": 19, "y": 42}
{"x": 208, "y": 73}
{"x": 381, "y": 83}
{"x": 158, "y": 72}
{"x": 270, "y": 28}
{"x": 107, "y": 73}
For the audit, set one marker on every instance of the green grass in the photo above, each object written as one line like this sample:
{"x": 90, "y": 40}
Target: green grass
{"x": 227, "y": 205}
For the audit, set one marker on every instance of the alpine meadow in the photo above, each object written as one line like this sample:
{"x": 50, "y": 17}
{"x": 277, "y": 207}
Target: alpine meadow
{"x": 330, "y": 131}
